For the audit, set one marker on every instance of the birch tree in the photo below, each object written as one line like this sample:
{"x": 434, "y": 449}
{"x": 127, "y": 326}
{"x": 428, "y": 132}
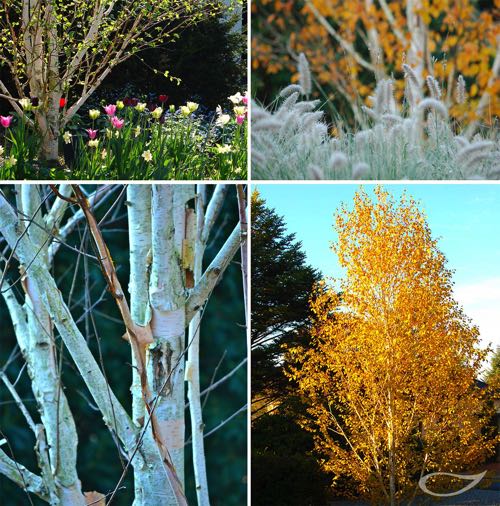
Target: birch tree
{"x": 169, "y": 227}
{"x": 390, "y": 380}
{"x": 58, "y": 49}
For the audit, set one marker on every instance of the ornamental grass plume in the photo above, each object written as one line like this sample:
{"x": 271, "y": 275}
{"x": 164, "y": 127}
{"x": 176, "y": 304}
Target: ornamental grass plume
{"x": 304, "y": 74}
{"x": 415, "y": 139}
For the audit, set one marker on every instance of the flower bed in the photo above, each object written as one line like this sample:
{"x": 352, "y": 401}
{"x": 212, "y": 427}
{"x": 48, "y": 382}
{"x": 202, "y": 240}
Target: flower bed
{"x": 133, "y": 140}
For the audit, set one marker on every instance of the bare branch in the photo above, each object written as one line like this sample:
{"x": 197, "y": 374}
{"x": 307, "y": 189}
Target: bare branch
{"x": 203, "y": 288}
{"x": 22, "y": 477}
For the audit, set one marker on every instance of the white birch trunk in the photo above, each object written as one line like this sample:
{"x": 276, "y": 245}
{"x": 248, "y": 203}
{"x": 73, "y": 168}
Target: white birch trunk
{"x": 149, "y": 475}
{"x": 193, "y": 364}
{"x": 168, "y": 296}
{"x": 38, "y": 348}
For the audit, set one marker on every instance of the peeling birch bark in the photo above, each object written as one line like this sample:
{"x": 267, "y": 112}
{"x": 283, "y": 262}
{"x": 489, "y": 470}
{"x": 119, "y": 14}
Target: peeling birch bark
{"x": 39, "y": 352}
{"x": 167, "y": 296}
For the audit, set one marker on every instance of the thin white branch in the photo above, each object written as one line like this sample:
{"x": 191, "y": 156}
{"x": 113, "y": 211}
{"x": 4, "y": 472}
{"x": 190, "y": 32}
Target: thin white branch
{"x": 25, "y": 479}
{"x": 19, "y": 402}
{"x": 213, "y": 210}
{"x": 200, "y": 293}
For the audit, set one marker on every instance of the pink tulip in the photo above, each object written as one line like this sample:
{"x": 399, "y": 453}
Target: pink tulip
{"x": 117, "y": 123}
{"x": 5, "y": 121}
{"x": 240, "y": 119}
{"x": 110, "y": 110}
{"x": 245, "y": 100}
{"x": 92, "y": 133}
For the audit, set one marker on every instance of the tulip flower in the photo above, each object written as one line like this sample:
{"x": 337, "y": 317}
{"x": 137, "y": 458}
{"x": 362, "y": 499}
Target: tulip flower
{"x": 236, "y": 98}
{"x": 62, "y": 102}
{"x": 92, "y": 133}
{"x": 94, "y": 114}
{"x": 240, "y": 120}
{"x": 240, "y": 110}
{"x": 117, "y": 123}
{"x": 157, "y": 113}
{"x": 140, "y": 106}
{"x": 5, "y": 121}
{"x": 192, "y": 106}
{"x": 223, "y": 119}
{"x": 120, "y": 105}
{"x": 67, "y": 137}
{"x": 94, "y": 143}
{"x": 244, "y": 99}
{"x": 26, "y": 104}
{"x": 110, "y": 110}
{"x": 163, "y": 98}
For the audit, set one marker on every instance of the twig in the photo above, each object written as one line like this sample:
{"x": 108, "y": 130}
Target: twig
{"x": 19, "y": 402}
{"x": 227, "y": 420}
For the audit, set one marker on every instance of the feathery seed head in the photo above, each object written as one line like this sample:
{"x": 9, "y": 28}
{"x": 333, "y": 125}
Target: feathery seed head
{"x": 316, "y": 172}
{"x": 338, "y": 161}
{"x": 461, "y": 93}
{"x": 360, "y": 171}
{"x": 290, "y": 89}
{"x": 304, "y": 74}
{"x": 470, "y": 151}
{"x": 434, "y": 88}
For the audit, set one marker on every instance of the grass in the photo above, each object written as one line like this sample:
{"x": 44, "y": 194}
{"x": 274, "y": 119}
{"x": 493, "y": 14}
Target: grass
{"x": 414, "y": 140}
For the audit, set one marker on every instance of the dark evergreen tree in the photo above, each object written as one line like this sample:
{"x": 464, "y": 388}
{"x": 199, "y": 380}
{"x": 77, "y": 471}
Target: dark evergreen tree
{"x": 281, "y": 286}
{"x": 283, "y": 470}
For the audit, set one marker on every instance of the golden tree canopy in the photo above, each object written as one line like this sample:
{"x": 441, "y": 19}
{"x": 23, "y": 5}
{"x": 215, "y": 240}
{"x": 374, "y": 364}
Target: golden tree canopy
{"x": 391, "y": 376}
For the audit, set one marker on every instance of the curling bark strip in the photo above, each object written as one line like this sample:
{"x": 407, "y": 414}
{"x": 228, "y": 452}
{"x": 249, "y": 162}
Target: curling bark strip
{"x": 138, "y": 337}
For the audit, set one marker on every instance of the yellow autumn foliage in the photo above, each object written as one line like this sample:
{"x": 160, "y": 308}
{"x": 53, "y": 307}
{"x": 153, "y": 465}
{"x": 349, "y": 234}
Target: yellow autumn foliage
{"x": 352, "y": 43}
{"x": 390, "y": 379}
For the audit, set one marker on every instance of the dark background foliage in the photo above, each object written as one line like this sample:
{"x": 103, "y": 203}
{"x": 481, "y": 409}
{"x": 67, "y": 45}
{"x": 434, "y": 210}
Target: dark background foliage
{"x": 284, "y": 470}
{"x": 209, "y": 59}
{"x": 222, "y": 332}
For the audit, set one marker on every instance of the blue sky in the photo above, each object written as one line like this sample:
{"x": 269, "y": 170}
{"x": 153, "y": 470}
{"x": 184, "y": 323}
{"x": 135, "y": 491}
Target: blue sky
{"x": 464, "y": 217}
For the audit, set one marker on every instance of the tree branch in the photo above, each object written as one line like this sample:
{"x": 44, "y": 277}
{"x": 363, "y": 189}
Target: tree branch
{"x": 199, "y": 294}
{"x": 25, "y": 479}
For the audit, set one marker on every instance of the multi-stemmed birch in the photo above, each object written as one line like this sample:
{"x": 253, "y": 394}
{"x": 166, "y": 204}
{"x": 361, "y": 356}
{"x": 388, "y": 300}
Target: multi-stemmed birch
{"x": 169, "y": 226}
{"x": 55, "y": 48}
